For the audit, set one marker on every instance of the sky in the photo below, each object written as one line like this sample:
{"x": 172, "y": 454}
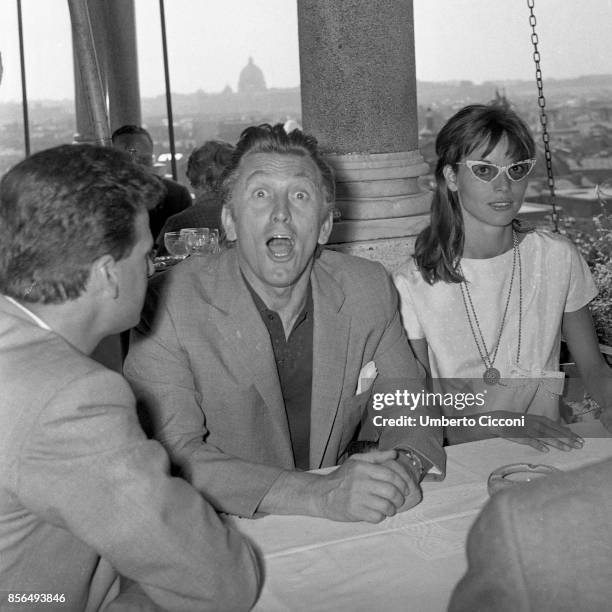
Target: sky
{"x": 211, "y": 40}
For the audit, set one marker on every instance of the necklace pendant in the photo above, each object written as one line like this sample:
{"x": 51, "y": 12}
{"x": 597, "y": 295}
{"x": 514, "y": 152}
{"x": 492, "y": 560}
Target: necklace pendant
{"x": 491, "y": 376}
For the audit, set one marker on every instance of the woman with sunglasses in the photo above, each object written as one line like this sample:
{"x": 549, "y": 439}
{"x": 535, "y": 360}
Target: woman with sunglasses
{"x": 485, "y": 299}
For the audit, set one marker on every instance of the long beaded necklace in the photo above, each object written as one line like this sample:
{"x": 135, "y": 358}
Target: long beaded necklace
{"x": 491, "y": 374}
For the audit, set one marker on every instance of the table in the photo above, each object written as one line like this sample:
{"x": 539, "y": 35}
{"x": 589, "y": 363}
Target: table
{"x": 411, "y": 561}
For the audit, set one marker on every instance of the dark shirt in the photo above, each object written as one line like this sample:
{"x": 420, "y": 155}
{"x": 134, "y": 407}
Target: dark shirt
{"x": 177, "y": 199}
{"x": 294, "y": 364}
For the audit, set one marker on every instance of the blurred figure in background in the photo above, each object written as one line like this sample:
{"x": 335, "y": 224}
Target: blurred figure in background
{"x": 138, "y": 144}
{"x": 204, "y": 168}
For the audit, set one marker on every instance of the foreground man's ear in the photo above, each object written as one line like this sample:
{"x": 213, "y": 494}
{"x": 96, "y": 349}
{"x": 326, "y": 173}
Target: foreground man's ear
{"x": 103, "y": 276}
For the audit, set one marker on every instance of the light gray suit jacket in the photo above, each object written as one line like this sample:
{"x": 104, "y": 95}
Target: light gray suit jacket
{"x": 202, "y": 363}
{"x": 79, "y": 481}
{"x": 544, "y": 546}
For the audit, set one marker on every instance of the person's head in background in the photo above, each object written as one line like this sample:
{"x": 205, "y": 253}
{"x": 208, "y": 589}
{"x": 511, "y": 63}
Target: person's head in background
{"x": 463, "y": 194}
{"x": 206, "y": 165}
{"x": 74, "y": 230}
{"x": 136, "y": 142}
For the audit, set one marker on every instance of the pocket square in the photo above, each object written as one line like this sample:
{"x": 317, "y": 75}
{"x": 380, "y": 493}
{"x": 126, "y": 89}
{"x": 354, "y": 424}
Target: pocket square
{"x": 367, "y": 376}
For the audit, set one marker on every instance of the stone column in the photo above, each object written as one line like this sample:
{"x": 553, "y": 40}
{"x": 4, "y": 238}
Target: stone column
{"x": 113, "y": 29}
{"x": 86, "y": 19}
{"x": 358, "y": 85}
{"x": 84, "y": 119}
{"x": 122, "y": 64}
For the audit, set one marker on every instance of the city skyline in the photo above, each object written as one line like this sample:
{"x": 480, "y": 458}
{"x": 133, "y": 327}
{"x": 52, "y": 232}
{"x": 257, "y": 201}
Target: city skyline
{"x": 209, "y": 43}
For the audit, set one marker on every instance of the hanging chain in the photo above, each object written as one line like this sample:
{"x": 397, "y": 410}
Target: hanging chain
{"x": 543, "y": 116}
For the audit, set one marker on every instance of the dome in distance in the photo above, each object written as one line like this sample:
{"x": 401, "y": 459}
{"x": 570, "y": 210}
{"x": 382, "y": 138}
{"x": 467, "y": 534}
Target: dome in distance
{"x": 251, "y": 79}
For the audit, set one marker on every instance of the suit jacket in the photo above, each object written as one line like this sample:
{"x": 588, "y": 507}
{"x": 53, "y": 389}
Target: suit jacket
{"x": 79, "y": 480}
{"x": 545, "y": 546}
{"x": 202, "y": 363}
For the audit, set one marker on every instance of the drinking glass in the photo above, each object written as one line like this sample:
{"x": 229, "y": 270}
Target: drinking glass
{"x": 214, "y": 241}
{"x": 176, "y": 244}
{"x": 198, "y": 240}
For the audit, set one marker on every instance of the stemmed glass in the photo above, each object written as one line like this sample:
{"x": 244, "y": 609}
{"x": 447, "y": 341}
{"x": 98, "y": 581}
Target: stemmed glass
{"x": 214, "y": 241}
{"x": 197, "y": 239}
{"x": 176, "y": 244}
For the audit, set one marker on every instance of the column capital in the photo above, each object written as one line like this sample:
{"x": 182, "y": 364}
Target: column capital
{"x": 379, "y": 185}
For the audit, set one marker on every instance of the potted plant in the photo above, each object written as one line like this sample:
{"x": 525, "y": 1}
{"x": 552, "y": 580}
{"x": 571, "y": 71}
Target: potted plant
{"x": 596, "y": 248}
{"x": 601, "y": 267}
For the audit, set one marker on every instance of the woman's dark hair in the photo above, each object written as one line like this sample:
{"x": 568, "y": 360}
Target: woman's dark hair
{"x": 439, "y": 246}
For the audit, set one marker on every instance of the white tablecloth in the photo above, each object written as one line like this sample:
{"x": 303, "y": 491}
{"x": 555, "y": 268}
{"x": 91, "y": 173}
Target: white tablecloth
{"x": 409, "y": 562}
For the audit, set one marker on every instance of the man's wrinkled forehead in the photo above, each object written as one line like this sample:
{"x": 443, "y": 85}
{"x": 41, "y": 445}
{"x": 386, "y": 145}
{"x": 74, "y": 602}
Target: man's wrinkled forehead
{"x": 279, "y": 165}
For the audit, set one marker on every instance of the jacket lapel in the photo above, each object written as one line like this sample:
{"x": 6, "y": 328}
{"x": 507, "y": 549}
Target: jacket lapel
{"x": 245, "y": 334}
{"x": 330, "y": 347}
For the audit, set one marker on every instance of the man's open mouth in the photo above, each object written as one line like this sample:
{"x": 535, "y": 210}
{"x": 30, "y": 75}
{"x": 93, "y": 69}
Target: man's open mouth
{"x": 280, "y": 246}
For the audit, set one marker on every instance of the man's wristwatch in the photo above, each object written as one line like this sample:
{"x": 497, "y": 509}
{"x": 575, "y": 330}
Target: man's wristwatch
{"x": 415, "y": 461}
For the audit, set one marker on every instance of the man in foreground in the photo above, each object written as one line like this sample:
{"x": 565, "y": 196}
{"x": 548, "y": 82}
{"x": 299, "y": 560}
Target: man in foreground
{"x": 544, "y": 545}
{"x": 248, "y": 364}
{"x": 83, "y": 494}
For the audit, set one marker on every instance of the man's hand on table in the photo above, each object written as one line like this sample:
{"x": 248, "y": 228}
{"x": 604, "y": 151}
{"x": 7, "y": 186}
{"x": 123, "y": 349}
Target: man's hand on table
{"x": 367, "y": 487}
{"x": 539, "y": 432}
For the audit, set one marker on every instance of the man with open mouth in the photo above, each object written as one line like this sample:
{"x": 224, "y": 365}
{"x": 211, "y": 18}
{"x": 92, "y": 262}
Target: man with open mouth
{"x": 248, "y": 363}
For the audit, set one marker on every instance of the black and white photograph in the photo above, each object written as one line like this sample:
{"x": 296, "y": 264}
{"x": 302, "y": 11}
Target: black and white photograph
{"x": 305, "y": 305}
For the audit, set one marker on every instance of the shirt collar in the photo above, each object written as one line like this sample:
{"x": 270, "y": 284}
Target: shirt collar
{"x": 263, "y": 309}
{"x": 28, "y": 312}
